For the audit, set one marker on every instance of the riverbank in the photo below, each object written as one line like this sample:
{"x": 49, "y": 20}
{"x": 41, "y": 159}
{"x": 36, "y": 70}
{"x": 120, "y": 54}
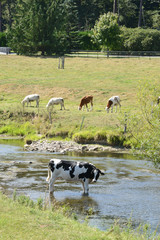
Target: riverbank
{"x": 70, "y": 146}
{"x": 24, "y": 219}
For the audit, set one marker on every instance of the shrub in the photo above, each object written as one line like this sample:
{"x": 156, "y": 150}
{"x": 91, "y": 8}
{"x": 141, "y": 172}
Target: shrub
{"x": 138, "y": 39}
{"x": 116, "y": 140}
{"x": 86, "y": 42}
{"x": 100, "y": 136}
{"x": 83, "y": 137}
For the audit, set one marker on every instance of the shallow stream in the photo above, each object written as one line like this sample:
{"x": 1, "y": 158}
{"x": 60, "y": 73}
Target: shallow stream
{"x": 130, "y": 188}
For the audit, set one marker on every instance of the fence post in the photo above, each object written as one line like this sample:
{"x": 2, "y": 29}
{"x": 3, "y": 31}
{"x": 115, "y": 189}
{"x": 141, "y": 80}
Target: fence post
{"x": 107, "y": 53}
{"x": 125, "y": 122}
{"x": 61, "y": 63}
{"x": 82, "y": 122}
{"x": 50, "y": 118}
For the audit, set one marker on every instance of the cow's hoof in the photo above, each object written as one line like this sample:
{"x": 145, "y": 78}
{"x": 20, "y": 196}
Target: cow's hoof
{"x": 85, "y": 194}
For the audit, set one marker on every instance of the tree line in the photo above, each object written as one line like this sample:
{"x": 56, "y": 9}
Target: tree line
{"x": 58, "y": 26}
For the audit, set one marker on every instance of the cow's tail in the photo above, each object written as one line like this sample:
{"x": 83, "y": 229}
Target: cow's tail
{"x": 49, "y": 174}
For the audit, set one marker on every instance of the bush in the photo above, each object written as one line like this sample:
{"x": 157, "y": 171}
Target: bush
{"x": 86, "y": 42}
{"x": 83, "y": 137}
{"x": 138, "y": 39}
{"x": 100, "y": 136}
{"x": 117, "y": 140}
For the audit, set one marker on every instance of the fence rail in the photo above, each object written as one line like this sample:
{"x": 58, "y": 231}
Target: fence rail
{"x": 98, "y": 54}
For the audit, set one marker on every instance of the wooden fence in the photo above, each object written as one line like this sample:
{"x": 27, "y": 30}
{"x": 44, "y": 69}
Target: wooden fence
{"x": 98, "y": 54}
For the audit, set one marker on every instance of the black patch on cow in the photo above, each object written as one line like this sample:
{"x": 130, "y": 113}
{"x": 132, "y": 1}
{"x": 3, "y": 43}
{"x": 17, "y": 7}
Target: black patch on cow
{"x": 72, "y": 171}
{"x": 60, "y": 164}
{"x": 97, "y": 176}
{"x": 51, "y": 165}
{"x": 67, "y": 166}
{"x": 89, "y": 173}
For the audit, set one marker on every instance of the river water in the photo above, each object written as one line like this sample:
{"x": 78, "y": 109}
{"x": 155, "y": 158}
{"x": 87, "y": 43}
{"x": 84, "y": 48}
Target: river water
{"x": 129, "y": 190}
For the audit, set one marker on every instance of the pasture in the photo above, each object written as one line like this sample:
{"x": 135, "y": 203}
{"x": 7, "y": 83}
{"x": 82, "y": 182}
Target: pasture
{"x": 102, "y": 78}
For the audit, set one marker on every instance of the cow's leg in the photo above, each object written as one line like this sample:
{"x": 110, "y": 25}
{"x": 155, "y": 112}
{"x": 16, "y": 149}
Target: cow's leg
{"x": 112, "y": 109}
{"x": 62, "y": 106}
{"x": 87, "y": 108}
{"x": 37, "y": 101}
{"x": 51, "y": 184}
{"x": 85, "y": 186}
{"x": 116, "y": 108}
{"x": 91, "y": 106}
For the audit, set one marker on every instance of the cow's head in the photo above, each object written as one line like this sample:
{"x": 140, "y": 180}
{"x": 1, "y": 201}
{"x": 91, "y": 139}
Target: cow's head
{"x": 79, "y": 108}
{"x": 109, "y": 104}
{"x": 97, "y": 172}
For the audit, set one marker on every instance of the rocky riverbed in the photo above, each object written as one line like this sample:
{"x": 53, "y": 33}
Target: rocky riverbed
{"x": 68, "y": 146}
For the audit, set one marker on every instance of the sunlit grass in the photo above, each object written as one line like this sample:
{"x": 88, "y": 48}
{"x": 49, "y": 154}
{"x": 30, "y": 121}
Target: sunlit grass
{"x": 25, "y": 219}
{"x": 20, "y": 76}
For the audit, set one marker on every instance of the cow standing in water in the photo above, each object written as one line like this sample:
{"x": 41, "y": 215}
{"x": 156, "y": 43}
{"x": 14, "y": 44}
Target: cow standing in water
{"x": 72, "y": 171}
{"x": 113, "y": 101}
{"x": 84, "y": 101}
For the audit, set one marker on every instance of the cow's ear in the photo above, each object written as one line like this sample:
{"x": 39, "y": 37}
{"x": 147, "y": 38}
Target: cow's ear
{"x": 101, "y": 172}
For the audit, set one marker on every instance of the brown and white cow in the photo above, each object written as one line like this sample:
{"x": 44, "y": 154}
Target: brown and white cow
{"x": 113, "y": 101}
{"x": 84, "y": 101}
{"x": 72, "y": 171}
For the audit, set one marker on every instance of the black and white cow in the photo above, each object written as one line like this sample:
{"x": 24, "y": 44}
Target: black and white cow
{"x": 72, "y": 171}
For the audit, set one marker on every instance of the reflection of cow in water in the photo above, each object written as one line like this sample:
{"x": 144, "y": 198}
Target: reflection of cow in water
{"x": 84, "y": 101}
{"x": 113, "y": 101}
{"x": 72, "y": 171}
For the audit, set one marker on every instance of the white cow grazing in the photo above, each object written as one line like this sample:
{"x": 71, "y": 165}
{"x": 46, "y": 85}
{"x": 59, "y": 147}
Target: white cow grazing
{"x": 31, "y": 98}
{"x": 55, "y": 101}
{"x": 113, "y": 101}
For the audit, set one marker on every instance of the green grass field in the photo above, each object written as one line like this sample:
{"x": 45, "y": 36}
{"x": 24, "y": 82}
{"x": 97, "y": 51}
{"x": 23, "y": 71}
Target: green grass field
{"x": 20, "y": 76}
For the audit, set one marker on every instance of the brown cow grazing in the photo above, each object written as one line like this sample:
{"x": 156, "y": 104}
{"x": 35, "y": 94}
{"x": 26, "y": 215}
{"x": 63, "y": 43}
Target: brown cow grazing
{"x": 113, "y": 101}
{"x": 84, "y": 101}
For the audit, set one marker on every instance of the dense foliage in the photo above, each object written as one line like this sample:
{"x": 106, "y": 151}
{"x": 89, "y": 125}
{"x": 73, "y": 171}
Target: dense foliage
{"x": 144, "y": 126}
{"x": 38, "y": 26}
{"x": 88, "y": 11}
{"x": 106, "y": 31}
{"x": 139, "y": 39}
{"x": 62, "y": 25}
{"x": 3, "y": 39}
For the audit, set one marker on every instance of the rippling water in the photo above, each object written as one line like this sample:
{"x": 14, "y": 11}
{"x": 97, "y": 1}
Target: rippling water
{"x": 129, "y": 189}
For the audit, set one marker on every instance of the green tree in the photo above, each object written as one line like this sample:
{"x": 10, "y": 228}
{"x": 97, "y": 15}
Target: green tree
{"x": 106, "y": 32}
{"x": 38, "y": 26}
{"x": 144, "y": 125}
{"x": 72, "y": 25}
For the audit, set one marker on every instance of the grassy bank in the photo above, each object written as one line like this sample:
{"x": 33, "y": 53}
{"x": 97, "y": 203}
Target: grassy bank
{"x": 24, "y": 219}
{"x": 102, "y": 78}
